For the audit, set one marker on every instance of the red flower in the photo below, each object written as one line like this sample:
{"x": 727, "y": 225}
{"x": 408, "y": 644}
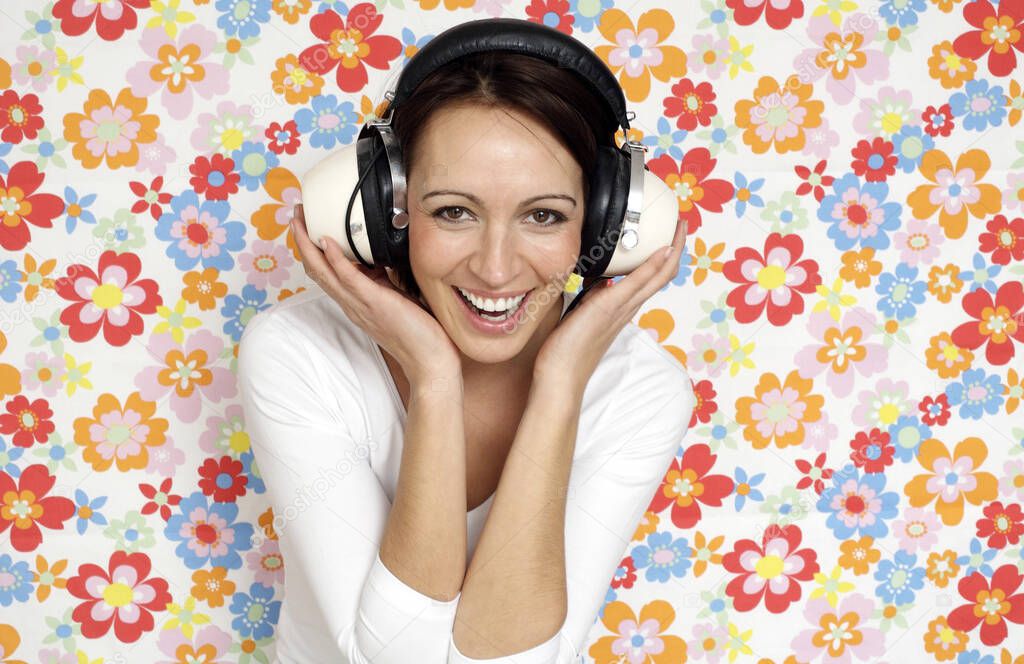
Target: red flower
{"x": 625, "y": 574}
{"x": 121, "y": 596}
{"x": 22, "y": 205}
{"x": 214, "y": 177}
{"x": 934, "y": 411}
{"x": 772, "y": 570}
{"x": 349, "y": 46}
{"x": 690, "y": 179}
{"x": 705, "y": 393}
{"x": 1001, "y": 525}
{"x": 113, "y": 17}
{"x": 999, "y": 32}
{"x": 24, "y": 507}
{"x": 222, "y": 479}
{"x": 692, "y": 104}
{"x": 687, "y": 484}
{"x": 112, "y": 299}
{"x": 780, "y": 12}
{"x": 813, "y": 181}
{"x": 283, "y": 138}
{"x": 1005, "y": 239}
{"x": 773, "y": 281}
{"x": 872, "y": 451}
{"x": 875, "y": 159}
{"x": 29, "y": 422}
{"x": 547, "y": 12}
{"x": 938, "y": 120}
{"x": 990, "y": 606}
{"x": 997, "y": 323}
{"x": 815, "y": 473}
{"x": 161, "y": 499}
{"x": 150, "y": 197}
{"x": 19, "y": 116}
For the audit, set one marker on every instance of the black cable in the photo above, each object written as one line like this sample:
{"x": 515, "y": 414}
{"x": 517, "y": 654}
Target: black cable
{"x": 352, "y": 200}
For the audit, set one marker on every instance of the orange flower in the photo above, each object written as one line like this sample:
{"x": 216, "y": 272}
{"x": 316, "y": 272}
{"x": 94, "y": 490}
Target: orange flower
{"x": 941, "y": 567}
{"x": 946, "y": 358}
{"x": 849, "y": 45}
{"x": 778, "y": 411}
{"x": 9, "y": 642}
{"x": 203, "y": 288}
{"x": 648, "y": 524}
{"x": 948, "y": 68}
{"x": 298, "y": 85}
{"x": 1013, "y": 389}
{"x": 704, "y": 260}
{"x": 858, "y": 555}
{"x": 1013, "y": 102}
{"x": 266, "y": 522}
{"x": 953, "y": 187}
{"x": 942, "y": 641}
{"x": 944, "y": 282}
{"x": 120, "y": 434}
{"x": 291, "y": 10}
{"x": 109, "y": 130}
{"x": 635, "y": 63}
{"x": 660, "y": 322}
{"x": 273, "y": 219}
{"x": 703, "y": 552}
{"x": 778, "y": 115}
{"x": 5, "y": 74}
{"x": 212, "y": 586}
{"x": 859, "y": 267}
{"x": 952, "y": 479}
{"x": 450, "y": 5}
{"x": 35, "y": 275}
{"x": 48, "y": 576}
{"x": 620, "y": 620}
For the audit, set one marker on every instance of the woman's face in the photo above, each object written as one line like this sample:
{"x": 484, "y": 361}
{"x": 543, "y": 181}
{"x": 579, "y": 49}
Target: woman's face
{"x": 486, "y": 195}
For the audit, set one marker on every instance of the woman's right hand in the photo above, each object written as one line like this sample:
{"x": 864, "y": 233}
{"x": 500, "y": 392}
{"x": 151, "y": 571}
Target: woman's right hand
{"x": 400, "y": 324}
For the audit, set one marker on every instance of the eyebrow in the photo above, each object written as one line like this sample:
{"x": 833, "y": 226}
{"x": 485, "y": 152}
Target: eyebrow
{"x": 442, "y": 192}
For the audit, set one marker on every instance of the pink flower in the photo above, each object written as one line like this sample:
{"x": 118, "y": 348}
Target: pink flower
{"x": 225, "y": 130}
{"x": 917, "y": 530}
{"x": 42, "y": 370}
{"x": 1013, "y": 195}
{"x": 843, "y": 56}
{"x": 155, "y": 156}
{"x": 709, "y": 55}
{"x": 165, "y": 459}
{"x": 267, "y": 263}
{"x": 225, "y": 436}
{"x": 709, "y": 640}
{"x": 708, "y": 351}
{"x": 188, "y": 373}
{"x": 34, "y": 66}
{"x": 821, "y": 140}
{"x": 919, "y": 243}
{"x": 210, "y": 646}
{"x": 843, "y": 350}
{"x": 266, "y": 563}
{"x": 843, "y": 633}
{"x": 820, "y": 434}
{"x": 1012, "y": 482}
{"x": 887, "y": 113}
{"x": 882, "y": 406}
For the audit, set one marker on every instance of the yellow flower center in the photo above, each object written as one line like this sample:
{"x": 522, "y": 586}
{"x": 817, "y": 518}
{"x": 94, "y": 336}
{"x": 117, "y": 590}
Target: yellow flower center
{"x": 769, "y": 567}
{"x": 771, "y": 277}
{"x": 107, "y": 296}
{"x": 117, "y": 594}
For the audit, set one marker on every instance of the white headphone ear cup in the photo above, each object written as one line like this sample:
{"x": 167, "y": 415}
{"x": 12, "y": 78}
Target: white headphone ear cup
{"x": 657, "y": 227}
{"x": 326, "y": 190}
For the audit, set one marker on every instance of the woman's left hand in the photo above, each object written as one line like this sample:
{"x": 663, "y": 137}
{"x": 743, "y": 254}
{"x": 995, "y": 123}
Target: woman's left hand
{"x": 573, "y": 349}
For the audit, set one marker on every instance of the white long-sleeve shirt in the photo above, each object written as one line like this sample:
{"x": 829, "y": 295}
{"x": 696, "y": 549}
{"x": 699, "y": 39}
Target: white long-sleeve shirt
{"x": 326, "y": 424}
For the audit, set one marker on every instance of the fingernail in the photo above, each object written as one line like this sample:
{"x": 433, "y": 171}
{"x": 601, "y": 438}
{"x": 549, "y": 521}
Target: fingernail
{"x": 667, "y": 252}
{"x": 323, "y": 244}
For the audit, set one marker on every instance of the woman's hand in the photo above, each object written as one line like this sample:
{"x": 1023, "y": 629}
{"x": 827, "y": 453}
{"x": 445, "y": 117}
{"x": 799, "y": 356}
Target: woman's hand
{"x": 397, "y": 322}
{"x": 573, "y": 349}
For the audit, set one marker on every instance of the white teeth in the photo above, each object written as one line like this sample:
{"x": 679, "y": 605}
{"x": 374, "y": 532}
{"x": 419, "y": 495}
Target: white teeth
{"x": 501, "y": 304}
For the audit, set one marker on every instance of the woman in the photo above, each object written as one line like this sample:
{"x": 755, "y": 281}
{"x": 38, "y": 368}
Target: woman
{"x": 529, "y": 448}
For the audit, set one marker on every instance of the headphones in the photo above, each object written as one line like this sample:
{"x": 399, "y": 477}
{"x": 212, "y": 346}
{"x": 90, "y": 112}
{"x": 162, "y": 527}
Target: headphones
{"x": 629, "y": 212}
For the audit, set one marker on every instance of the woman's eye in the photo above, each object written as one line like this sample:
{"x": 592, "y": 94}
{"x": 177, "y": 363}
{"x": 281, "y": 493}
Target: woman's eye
{"x": 551, "y": 217}
{"x": 547, "y": 218}
{"x": 441, "y": 213}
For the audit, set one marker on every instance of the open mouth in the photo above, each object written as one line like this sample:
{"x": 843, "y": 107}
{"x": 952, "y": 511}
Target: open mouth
{"x": 511, "y": 307}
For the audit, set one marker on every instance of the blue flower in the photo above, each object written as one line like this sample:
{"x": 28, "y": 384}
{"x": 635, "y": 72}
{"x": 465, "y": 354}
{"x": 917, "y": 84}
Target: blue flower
{"x": 740, "y": 477}
{"x": 685, "y": 260}
{"x": 256, "y": 613}
{"x": 976, "y": 393}
{"x": 665, "y": 140}
{"x": 252, "y": 471}
{"x": 10, "y": 285}
{"x": 238, "y": 309}
{"x": 978, "y": 559}
{"x": 982, "y": 274}
{"x": 740, "y": 182}
{"x": 903, "y": 13}
{"x": 15, "y": 581}
{"x": 979, "y": 105}
{"x": 242, "y": 17}
{"x": 856, "y": 505}
{"x": 198, "y": 234}
{"x": 857, "y": 214}
{"x": 900, "y": 292}
{"x": 410, "y": 44}
{"x": 909, "y": 145}
{"x": 906, "y": 435}
{"x": 252, "y": 163}
{"x": 88, "y": 511}
{"x": 75, "y": 209}
{"x": 208, "y": 533}
{"x": 5, "y": 149}
{"x": 329, "y": 122}
{"x": 663, "y": 557}
{"x": 587, "y": 17}
{"x": 974, "y": 657}
{"x": 899, "y": 578}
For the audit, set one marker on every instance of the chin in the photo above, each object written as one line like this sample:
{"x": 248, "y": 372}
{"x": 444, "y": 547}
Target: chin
{"x": 491, "y": 342}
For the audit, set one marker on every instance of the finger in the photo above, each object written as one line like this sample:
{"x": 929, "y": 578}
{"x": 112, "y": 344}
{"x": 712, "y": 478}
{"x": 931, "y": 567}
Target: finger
{"x": 317, "y": 265}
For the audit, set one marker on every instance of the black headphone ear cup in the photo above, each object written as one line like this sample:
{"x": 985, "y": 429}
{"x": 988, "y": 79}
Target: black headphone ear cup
{"x": 606, "y": 209}
{"x": 388, "y": 244}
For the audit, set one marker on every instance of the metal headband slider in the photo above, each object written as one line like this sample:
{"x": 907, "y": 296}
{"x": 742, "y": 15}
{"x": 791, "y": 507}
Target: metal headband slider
{"x": 630, "y": 236}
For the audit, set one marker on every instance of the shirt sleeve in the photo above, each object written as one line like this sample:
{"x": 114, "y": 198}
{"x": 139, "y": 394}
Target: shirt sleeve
{"x": 329, "y": 510}
{"x": 610, "y": 487}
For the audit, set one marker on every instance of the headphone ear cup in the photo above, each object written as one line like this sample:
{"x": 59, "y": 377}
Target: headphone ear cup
{"x": 387, "y": 243}
{"x": 606, "y": 209}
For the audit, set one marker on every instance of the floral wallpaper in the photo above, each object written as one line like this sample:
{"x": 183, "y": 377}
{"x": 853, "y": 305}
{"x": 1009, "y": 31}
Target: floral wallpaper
{"x": 850, "y": 310}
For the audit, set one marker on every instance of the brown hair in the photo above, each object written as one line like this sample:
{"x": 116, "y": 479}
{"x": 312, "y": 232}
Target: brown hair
{"x": 552, "y": 96}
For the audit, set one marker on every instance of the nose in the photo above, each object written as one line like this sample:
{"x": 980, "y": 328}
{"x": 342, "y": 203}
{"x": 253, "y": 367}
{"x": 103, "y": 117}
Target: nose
{"x": 496, "y": 260}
